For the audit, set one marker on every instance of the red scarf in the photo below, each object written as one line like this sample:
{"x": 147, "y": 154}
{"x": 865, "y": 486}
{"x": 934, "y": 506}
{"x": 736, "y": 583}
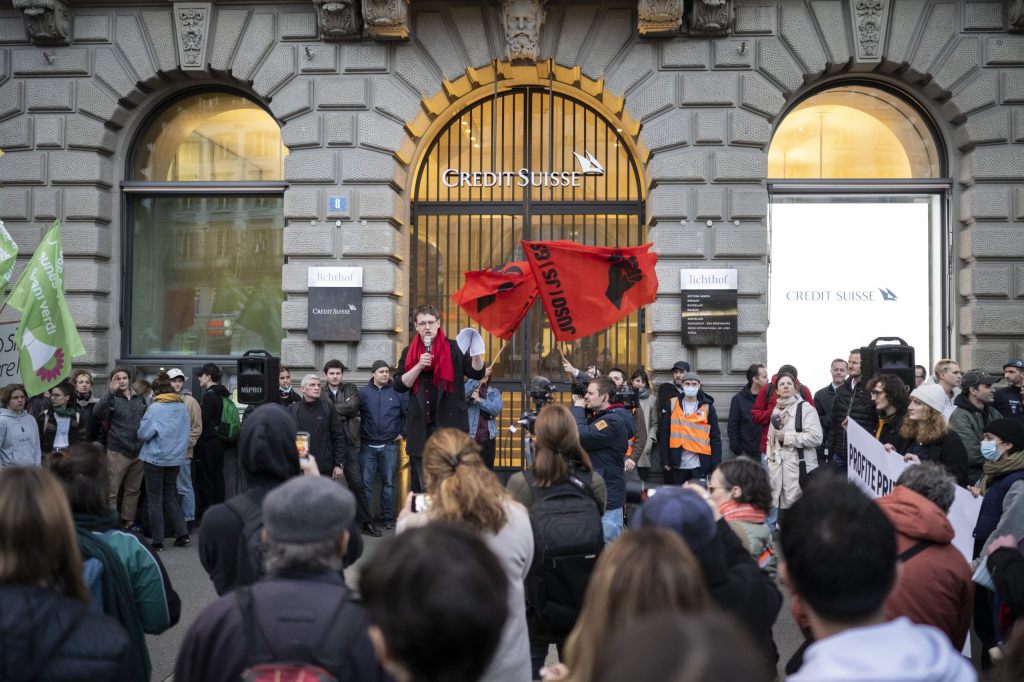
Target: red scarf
{"x": 741, "y": 511}
{"x": 442, "y": 369}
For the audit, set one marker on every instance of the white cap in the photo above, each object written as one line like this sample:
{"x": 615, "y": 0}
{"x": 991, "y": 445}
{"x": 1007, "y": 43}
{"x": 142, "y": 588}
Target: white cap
{"x": 174, "y": 373}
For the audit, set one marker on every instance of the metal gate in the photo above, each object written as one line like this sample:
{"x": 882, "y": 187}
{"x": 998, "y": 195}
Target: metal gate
{"x": 526, "y": 163}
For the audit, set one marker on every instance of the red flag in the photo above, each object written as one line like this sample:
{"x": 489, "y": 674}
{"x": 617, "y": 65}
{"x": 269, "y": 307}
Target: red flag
{"x": 499, "y": 297}
{"x": 587, "y": 289}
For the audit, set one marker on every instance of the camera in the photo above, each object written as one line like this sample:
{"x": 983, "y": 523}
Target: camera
{"x": 636, "y": 493}
{"x": 626, "y": 396}
{"x": 541, "y": 393}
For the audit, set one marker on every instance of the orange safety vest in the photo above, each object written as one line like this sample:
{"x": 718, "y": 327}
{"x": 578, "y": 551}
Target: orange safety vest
{"x": 692, "y": 433}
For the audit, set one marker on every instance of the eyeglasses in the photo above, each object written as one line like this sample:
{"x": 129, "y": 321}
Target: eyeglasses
{"x": 426, "y": 323}
{"x": 876, "y": 393}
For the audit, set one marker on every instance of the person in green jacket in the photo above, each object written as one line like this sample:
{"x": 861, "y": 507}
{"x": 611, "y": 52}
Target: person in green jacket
{"x": 974, "y": 411}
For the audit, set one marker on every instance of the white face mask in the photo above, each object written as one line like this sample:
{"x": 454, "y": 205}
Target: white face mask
{"x": 690, "y": 391}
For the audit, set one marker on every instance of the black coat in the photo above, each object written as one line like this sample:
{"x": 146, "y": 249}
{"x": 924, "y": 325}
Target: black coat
{"x": 326, "y": 431}
{"x": 1009, "y": 401}
{"x": 855, "y": 403}
{"x": 451, "y": 409}
{"x": 605, "y": 436}
{"x": 33, "y": 620}
{"x": 744, "y": 434}
{"x": 290, "y": 610}
{"x": 823, "y": 401}
{"x": 949, "y": 452}
{"x": 346, "y": 403}
{"x": 891, "y": 433}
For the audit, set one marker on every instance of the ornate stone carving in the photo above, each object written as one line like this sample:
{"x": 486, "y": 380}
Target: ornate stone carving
{"x": 192, "y": 22}
{"x": 869, "y": 22}
{"x": 386, "y": 19}
{"x": 48, "y": 22}
{"x": 659, "y": 17}
{"x": 522, "y": 20}
{"x": 1015, "y": 16}
{"x": 711, "y": 17}
{"x": 339, "y": 19}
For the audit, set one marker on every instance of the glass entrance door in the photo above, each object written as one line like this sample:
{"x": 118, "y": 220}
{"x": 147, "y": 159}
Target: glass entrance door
{"x": 526, "y": 163}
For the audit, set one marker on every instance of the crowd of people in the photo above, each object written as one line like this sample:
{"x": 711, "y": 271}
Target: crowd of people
{"x": 629, "y": 542}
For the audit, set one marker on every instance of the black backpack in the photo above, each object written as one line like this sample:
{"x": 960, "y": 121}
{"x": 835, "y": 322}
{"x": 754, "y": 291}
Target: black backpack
{"x": 567, "y": 538}
{"x": 249, "y": 561}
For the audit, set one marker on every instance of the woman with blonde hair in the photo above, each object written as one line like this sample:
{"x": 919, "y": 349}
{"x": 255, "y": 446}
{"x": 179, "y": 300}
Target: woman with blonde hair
{"x": 43, "y": 593}
{"x": 928, "y": 436}
{"x": 461, "y": 490}
{"x": 643, "y": 573}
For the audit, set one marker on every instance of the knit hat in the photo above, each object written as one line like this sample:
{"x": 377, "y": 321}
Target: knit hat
{"x": 378, "y": 364}
{"x": 682, "y": 366}
{"x": 1019, "y": 364}
{"x": 680, "y": 510}
{"x": 976, "y": 378}
{"x": 1008, "y": 430}
{"x": 308, "y": 509}
{"x": 692, "y": 376}
{"x": 931, "y": 395}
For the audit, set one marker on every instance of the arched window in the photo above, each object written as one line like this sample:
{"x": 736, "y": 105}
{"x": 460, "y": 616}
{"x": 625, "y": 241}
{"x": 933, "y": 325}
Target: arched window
{"x": 206, "y": 222}
{"x": 854, "y": 132}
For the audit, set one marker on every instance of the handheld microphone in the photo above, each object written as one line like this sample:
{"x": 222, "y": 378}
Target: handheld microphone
{"x": 427, "y": 341}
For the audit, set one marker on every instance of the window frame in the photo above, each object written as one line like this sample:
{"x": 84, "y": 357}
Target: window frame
{"x": 134, "y": 189}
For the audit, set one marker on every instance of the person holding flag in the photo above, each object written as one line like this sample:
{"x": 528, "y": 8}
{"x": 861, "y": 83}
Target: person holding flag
{"x": 428, "y": 367}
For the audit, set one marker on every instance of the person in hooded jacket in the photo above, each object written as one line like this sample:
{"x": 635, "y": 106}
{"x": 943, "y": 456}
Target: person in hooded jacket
{"x": 19, "y": 434}
{"x": 973, "y": 412}
{"x": 208, "y": 454}
{"x": 764, "y": 406}
{"x": 122, "y": 572}
{"x": 268, "y": 457}
{"x": 61, "y": 424}
{"x": 736, "y": 584}
{"x": 690, "y": 437}
{"x": 48, "y": 633}
{"x": 744, "y": 433}
{"x": 794, "y": 433}
{"x": 1002, "y": 509}
{"x": 935, "y": 587}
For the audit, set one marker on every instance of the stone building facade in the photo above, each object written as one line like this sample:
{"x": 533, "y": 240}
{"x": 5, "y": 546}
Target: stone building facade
{"x": 358, "y": 89}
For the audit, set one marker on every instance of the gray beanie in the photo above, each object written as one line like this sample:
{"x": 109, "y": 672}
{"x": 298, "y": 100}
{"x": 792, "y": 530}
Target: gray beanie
{"x": 308, "y": 509}
{"x": 931, "y": 395}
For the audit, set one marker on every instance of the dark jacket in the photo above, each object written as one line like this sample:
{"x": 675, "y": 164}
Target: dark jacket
{"x": 451, "y": 409}
{"x": 891, "y": 432}
{"x": 346, "y": 402}
{"x": 326, "y": 432}
{"x": 212, "y": 406}
{"x": 48, "y": 429}
{"x": 1010, "y": 402}
{"x": 969, "y": 423}
{"x": 294, "y": 613}
{"x": 267, "y": 457}
{"x": 605, "y": 436}
{"x": 59, "y": 639}
{"x": 853, "y": 402}
{"x": 123, "y": 416}
{"x": 671, "y": 457}
{"x": 382, "y": 412}
{"x": 94, "y": 430}
{"x": 1006, "y": 565}
{"x": 667, "y": 391}
{"x": 949, "y": 452}
{"x": 744, "y": 434}
{"x": 288, "y": 398}
{"x": 739, "y": 587}
{"x": 823, "y": 400}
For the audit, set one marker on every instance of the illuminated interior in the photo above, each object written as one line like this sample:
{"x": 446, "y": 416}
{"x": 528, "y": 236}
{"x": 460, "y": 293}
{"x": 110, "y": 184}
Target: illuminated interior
{"x": 212, "y": 137}
{"x": 853, "y": 132}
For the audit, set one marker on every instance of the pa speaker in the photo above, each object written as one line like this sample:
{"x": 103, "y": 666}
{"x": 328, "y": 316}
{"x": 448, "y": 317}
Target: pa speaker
{"x": 895, "y": 359}
{"x": 257, "y": 377}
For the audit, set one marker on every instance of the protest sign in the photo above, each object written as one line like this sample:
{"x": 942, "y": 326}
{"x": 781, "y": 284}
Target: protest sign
{"x": 876, "y": 471}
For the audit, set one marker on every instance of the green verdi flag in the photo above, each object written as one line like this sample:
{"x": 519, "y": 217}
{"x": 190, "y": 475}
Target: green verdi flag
{"x": 8, "y": 254}
{"x": 46, "y": 337}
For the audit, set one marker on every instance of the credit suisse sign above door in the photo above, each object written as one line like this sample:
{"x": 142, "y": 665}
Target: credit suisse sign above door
{"x": 525, "y": 177}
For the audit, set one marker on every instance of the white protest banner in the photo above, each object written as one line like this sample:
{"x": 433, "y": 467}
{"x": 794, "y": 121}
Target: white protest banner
{"x": 9, "y": 366}
{"x": 875, "y": 471}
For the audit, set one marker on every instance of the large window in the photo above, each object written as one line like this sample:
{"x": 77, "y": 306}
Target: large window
{"x": 206, "y": 230}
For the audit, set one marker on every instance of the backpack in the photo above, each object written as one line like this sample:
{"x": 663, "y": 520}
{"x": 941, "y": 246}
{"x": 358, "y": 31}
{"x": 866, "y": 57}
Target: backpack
{"x": 230, "y": 423}
{"x": 568, "y": 538}
{"x": 299, "y": 663}
{"x": 249, "y": 560}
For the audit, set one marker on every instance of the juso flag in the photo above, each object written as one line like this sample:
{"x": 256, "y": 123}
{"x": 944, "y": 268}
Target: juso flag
{"x": 586, "y": 289}
{"x": 498, "y": 298}
{"x": 8, "y": 253}
{"x": 46, "y": 337}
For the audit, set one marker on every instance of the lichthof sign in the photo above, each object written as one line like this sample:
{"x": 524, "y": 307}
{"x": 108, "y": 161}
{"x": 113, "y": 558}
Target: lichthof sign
{"x": 335, "y": 304}
{"x": 709, "y": 307}
{"x": 524, "y": 177}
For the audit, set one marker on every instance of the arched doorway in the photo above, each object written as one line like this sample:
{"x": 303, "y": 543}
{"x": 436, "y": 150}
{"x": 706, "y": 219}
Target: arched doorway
{"x": 858, "y": 188}
{"x": 516, "y": 163}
